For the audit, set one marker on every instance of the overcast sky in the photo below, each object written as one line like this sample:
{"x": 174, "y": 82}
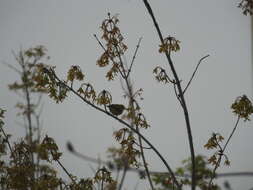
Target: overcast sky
{"x": 204, "y": 27}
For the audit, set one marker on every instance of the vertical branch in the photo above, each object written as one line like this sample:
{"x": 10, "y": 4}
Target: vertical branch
{"x": 27, "y": 60}
{"x": 24, "y": 77}
{"x": 123, "y": 177}
{"x": 180, "y": 93}
{"x": 131, "y": 99}
{"x": 145, "y": 163}
{"x": 134, "y": 56}
{"x": 126, "y": 77}
{"x": 38, "y": 141}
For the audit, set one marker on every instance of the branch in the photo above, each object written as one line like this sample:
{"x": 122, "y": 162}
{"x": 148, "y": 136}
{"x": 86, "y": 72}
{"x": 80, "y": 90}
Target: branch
{"x": 236, "y": 124}
{"x": 181, "y": 95}
{"x": 108, "y": 164}
{"x": 193, "y": 74}
{"x": 90, "y": 159}
{"x": 176, "y": 93}
{"x": 234, "y": 174}
{"x": 222, "y": 153}
{"x": 131, "y": 104}
{"x": 124, "y": 123}
{"x": 123, "y": 177}
{"x": 66, "y": 171}
{"x": 135, "y": 53}
{"x": 145, "y": 162}
{"x": 141, "y": 146}
{"x": 12, "y": 67}
{"x": 103, "y": 47}
{"x": 122, "y": 74}
{"x": 8, "y": 142}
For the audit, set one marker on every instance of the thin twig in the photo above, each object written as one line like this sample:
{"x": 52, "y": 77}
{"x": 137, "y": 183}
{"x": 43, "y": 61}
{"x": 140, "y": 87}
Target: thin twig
{"x": 7, "y": 140}
{"x": 121, "y": 63}
{"x": 142, "y": 146}
{"x": 193, "y": 74}
{"x": 222, "y": 153}
{"x": 66, "y": 171}
{"x": 232, "y": 133}
{"x": 100, "y": 43}
{"x": 12, "y": 67}
{"x": 134, "y": 56}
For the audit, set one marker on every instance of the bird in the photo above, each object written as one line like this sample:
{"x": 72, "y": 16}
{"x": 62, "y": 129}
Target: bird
{"x": 116, "y": 109}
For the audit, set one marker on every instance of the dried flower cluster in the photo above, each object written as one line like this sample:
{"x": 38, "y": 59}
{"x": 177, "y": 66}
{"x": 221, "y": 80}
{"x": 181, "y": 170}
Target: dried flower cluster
{"x": 246, "y": 6}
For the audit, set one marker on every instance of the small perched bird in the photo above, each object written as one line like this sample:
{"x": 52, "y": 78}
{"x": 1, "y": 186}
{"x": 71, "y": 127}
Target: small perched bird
{"x": 116, "y": 109}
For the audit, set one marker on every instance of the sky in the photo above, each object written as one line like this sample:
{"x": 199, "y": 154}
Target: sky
{"x": 66, "y": 29}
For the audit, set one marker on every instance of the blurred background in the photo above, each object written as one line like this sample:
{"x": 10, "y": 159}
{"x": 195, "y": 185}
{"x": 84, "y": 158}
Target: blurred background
{"x": 66, "y": 29}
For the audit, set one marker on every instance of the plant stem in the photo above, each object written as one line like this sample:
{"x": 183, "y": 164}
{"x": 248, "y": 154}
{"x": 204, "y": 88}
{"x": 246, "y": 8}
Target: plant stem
{"x": 25, "y": 79}
{"x": 124, "y": 123}
{"x": 194, "y": 72}
{"x": 181, "y": 96}
{"x": 232, "y": 133}
{"x": 123, "y": 177}
{"x": 222, "y": 153}
{"x": 145, "y": 163}
{"x": 65, "y": 170}
{"x": 131, "y": 103}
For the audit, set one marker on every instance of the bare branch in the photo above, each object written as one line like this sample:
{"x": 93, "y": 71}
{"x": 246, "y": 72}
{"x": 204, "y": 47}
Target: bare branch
{"x": 193, "y": 74}
{"x": 123, "y": 177}
{"x": 142, "y": 146}
{"x": 100, "y": 43}
{"x": 135, "y": 53}
{"x": 12, "y": 67}
{"x": 66, "y": 171}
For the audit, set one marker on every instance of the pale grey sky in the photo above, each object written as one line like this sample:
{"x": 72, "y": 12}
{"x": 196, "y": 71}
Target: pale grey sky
{"x": 204, "y": 27}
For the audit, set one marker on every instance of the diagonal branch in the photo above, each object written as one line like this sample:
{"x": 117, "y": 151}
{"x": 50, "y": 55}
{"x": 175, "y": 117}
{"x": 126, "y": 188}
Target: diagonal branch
{"x": 123, "y": 177}
{"x": 111, "y": 58}
{"x": 222, "y": 152}
{"x": 193, "y": 74}
{"x": 135, "y": 53}
{"x": 122, "y": 122}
